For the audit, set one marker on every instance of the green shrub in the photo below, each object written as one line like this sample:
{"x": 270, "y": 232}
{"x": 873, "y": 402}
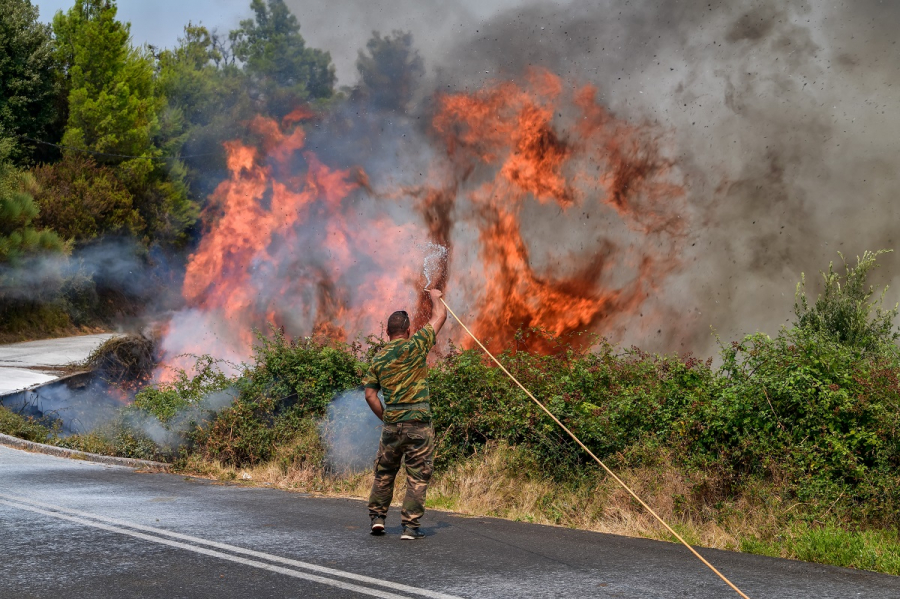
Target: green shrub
{"x": 845, "y": 311}
{"x": 82, "y": 200}
{"x": 117, "y": 438}
{"x": 291, "y": 381}
{"x": 22, "y": 427}
{"x": 808, "y": 408}
{"x": 187, "y": 389}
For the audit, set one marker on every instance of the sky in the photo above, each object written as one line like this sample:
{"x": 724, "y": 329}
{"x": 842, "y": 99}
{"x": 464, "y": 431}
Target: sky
{"x": 341, "y": 27}
{"x": 161, "y": 22}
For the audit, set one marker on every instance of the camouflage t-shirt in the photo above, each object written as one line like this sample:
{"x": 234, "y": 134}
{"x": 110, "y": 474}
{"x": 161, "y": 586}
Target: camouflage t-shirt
{"x": 399, "y": 371}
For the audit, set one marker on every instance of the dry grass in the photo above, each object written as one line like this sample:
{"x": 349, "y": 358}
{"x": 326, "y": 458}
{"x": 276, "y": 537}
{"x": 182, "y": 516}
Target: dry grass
{"x": 498, "y": 482}
{"x": 495, "y": 483}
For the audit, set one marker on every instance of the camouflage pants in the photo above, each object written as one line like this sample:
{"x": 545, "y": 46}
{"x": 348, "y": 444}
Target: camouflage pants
{"x": 413, "y": 442}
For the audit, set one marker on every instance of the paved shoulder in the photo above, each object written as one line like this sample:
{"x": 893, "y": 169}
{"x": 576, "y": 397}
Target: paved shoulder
{"x": 17, "y": 360}
{"x": 73, "y": 529}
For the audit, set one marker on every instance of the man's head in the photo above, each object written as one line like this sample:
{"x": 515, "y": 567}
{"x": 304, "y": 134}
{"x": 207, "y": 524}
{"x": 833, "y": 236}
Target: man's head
{"x": 398, "y": 325}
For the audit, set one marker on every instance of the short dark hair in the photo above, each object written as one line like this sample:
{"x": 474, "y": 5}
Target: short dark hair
{"x": 397, "y": 323}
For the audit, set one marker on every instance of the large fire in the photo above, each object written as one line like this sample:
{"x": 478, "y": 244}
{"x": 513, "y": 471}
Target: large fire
{"x": 293, "y": 242}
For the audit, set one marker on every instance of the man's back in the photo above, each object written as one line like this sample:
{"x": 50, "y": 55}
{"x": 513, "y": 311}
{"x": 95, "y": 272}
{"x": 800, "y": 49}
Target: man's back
{"x": 399, "y": 371}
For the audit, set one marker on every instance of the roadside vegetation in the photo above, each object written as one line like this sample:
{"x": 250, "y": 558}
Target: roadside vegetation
{"x": 789, "y": 447}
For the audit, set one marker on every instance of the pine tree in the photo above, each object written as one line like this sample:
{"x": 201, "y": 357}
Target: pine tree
{"x": 114, "y": 108}
{"x": 283, "y": 70}
{"x": 18, "y": 210}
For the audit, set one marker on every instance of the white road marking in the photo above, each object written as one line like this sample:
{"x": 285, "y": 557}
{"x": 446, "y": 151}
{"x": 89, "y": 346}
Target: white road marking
{"x": 114, "y": 525}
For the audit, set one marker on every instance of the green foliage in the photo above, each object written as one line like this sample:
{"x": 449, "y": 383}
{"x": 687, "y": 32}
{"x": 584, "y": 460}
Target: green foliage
{"x": 27, "y": 73}
{"x": 846, "y": 311}
{"x": 117, "y": 438}
{"x": 113, "y": 107}
{"x": 18, "y": 211}
{"x": 811, "y": 410}
{"x": 24, "y": 320}
{"x": 291, "y": 383}
{"x": 82, "y": 200}
{"x": 22, "y": 427}
{"x": 284, "y": 72}
{"x": 188, "y": 78}
{"x": 186, "y": 389}
{"x": 112, "y": 104}
{"x": 306, "y": 372}
{"x": 207, "y": 104}
{"x": 390, "y": 71}
{"x": 877, "y": 550}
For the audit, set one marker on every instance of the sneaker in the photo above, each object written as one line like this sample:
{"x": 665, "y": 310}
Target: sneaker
{"x": 377, "y": 526}
{"x": 411, "y": 534}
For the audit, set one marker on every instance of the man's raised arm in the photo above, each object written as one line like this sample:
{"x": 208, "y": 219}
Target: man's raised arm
{"x": 438, "y": 310}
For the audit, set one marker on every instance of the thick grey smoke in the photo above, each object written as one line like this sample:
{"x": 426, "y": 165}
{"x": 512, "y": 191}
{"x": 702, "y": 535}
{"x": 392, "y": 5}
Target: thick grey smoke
{"x": 73, "y": 405}
{"x": 782, "y": 117}
{"x": 116, "y": 269}
{"x": 83, "y": 403}
{"x": 350, "y": 432}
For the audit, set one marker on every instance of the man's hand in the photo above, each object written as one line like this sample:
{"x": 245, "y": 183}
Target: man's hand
{"x": 374, "y": 403}
{"x": 438, "y": 310}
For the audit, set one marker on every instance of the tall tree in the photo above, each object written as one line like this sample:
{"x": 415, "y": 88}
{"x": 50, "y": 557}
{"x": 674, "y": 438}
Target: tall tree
{"x": 206, "y": 104}
{"x": 27, "y": 82}
{"x": 114, "y": 109}
{"x": 112, "y": 102}
{"x": 389, "y": 72}
{"x": 283, "y": 70}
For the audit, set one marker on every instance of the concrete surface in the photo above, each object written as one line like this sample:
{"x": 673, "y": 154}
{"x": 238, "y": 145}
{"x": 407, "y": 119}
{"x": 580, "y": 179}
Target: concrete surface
{"x": 17, "y": 359}
{"x": 76, "y": 529}
{"x": 16, "y": 379}
{"x": 65, "y": 452}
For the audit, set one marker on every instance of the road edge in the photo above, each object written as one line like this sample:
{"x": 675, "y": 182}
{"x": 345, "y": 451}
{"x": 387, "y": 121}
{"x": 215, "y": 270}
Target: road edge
{"x": 74, "y": 454}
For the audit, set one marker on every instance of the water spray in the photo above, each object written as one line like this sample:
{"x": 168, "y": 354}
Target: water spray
{"x": 589, "y": 452}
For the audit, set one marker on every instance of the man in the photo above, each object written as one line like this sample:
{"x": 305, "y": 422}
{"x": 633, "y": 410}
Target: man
{"x": 399, "y": 371}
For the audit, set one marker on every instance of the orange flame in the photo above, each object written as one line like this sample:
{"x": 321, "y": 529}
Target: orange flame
{"x": 600, "y": 161}
{"x": 294, "y": 242}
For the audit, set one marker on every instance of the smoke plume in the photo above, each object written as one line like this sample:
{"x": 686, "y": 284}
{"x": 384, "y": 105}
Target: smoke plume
{"x": 782, "y": 117}
{"x": 172, "y": 433}
{"x": 350, "y": 432}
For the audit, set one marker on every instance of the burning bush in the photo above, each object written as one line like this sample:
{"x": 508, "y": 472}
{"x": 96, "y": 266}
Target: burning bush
{"x": 128, "y": 359}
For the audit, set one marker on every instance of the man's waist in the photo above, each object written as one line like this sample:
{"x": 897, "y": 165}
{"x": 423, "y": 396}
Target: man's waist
{"x": 396, "y": 407}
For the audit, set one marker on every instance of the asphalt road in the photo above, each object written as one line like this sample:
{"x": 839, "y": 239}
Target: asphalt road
{"x": 76, "y": 529}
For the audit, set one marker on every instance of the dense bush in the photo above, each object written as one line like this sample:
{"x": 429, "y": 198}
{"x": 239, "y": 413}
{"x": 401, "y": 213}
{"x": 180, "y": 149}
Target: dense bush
{"x": 23, "y": 427}
{"x": 291, "y": 382}
{"x": 82, "y": 200}
{"x": 817, "y": 417}
{"x": 19, "y": 235}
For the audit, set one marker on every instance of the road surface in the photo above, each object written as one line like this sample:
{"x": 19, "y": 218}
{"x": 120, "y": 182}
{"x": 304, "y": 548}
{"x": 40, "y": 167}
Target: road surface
{"x": 33, "y": 362}
{"x": 77, "y": 529}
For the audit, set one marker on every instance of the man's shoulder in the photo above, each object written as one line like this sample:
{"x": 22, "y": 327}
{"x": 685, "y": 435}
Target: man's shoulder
{"x": 426, "y": 334}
